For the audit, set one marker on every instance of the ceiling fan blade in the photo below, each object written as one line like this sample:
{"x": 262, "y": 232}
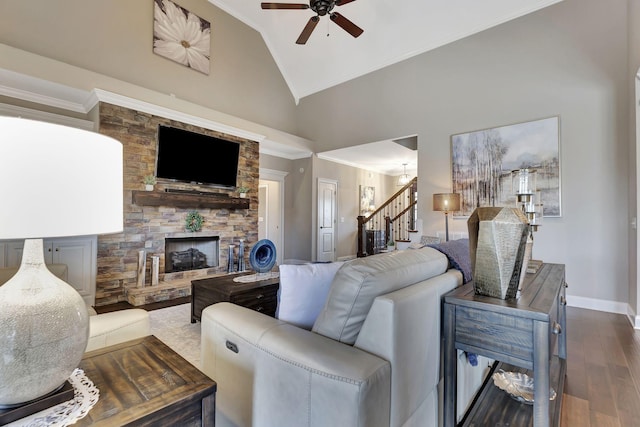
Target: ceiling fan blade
{"x": 284, "y": 6}
{"x": 308, "y": 29}
{"x": 346, "y": 25}
{"x": 341, "y": 2}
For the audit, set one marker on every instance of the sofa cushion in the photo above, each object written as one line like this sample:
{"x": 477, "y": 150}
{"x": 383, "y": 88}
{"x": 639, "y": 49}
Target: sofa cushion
{"x": 303, "y": 291}
{"x": 360, "y": 281}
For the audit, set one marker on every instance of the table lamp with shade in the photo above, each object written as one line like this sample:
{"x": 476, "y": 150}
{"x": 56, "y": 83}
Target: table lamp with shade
{"x": 55, "y": 181}
{"x": 446, "y": 202}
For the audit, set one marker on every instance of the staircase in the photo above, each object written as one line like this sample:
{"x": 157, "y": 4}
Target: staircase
{"x": 394, "y": 220}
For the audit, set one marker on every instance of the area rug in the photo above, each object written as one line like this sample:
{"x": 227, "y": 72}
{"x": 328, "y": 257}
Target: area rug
{"x": 172, "y": 325}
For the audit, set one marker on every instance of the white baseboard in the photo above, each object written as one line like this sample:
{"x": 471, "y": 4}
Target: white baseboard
{"x": 604, "y": 305}
{"x": 634, "y": 319}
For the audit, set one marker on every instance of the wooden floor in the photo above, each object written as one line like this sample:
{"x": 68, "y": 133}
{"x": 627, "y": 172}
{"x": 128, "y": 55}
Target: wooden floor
{"x": 602, "y": 387}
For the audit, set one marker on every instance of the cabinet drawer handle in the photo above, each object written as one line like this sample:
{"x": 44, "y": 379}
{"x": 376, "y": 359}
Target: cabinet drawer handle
{"x": 260, "y": 309}
{"x": 259, "y": 296}
{"x": 557, "y": 329}
{"x": 566, "y": 285}
{"x": 563, "y": 300}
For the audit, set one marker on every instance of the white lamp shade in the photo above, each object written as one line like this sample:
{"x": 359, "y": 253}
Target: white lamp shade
{"x": 58, "y": 181}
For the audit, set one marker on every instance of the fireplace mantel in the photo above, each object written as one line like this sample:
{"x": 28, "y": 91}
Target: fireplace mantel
{"x": 187, "y": 201}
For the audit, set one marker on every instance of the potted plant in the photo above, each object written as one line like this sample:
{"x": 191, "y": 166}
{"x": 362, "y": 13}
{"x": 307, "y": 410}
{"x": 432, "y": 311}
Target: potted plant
{"x": 149, "y": 182}
{"x": 243, "y": 191}
{"x": 391, "y": 245}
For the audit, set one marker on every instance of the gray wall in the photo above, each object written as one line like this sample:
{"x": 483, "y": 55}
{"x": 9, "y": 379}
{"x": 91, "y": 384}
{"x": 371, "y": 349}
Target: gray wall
{"x": 301, "y": 201}
{"x": 570, "y": 60}
{"x": 349, "y": 181}
{"x": 115, "y": 38}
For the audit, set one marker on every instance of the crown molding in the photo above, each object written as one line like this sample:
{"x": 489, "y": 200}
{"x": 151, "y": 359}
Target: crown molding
{"x": 51, "y": 94}
{"x": 43, "y": 116}
{"x": 167, "y": 113}
{"x": 39, "y": 98}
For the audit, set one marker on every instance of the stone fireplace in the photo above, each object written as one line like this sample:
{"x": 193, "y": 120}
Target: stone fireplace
{"x": 185, "y": 252}
{"x": 150, "y": 218}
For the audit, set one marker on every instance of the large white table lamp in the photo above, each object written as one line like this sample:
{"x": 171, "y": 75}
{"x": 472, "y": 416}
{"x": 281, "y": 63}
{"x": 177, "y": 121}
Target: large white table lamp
{"x": 54, "y": 181}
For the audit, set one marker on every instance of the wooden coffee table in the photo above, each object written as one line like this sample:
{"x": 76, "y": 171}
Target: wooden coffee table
{"x": 144, "y": 382}
{"x": 261, "y": 295}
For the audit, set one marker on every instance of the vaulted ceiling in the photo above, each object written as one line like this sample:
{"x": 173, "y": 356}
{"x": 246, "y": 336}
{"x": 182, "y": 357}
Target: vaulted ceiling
{"x": 394, "y": 30}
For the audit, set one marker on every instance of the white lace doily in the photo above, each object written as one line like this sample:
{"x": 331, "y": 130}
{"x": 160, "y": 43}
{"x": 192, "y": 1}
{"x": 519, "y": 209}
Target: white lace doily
{"x": 257, "y": 277}
{"x": 86, "y": 395}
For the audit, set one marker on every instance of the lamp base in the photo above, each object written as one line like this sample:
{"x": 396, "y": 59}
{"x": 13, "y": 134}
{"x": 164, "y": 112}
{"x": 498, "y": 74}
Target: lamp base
{"x": 44, "y": 328}
{"x": 64, "y": 393}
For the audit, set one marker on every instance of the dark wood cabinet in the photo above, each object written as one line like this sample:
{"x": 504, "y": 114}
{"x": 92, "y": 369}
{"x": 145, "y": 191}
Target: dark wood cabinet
{"x": 261, "y": 296}
{"x": 522, "y": 334}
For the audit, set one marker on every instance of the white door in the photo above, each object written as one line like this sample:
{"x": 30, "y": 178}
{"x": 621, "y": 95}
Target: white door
{"x": 327, "y": 211}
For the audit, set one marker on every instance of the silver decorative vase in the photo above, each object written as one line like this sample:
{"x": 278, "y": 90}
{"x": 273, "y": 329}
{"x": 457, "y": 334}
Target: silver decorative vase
{"x": 497, "y": 242}
{"x": 44, "y": 328}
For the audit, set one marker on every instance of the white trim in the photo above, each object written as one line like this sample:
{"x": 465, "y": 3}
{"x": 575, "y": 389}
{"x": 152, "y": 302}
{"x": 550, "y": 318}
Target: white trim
{"x": 273, "y": 175}
{"x": 633, "y": 318}
{"x": 42, "y": 99}
{"x": 28, "y": 113}
{"x": 597, "y": 304}
{"x": 286, "y": 155}
{"x": 167, "y": 113}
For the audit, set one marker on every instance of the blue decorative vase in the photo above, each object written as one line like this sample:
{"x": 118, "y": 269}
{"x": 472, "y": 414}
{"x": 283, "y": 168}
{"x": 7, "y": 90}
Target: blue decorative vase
{"x": 263, "y": 256}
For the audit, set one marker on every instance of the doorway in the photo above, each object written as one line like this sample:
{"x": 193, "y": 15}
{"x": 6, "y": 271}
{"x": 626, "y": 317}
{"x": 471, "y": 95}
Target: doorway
{"x": 271, "y": 209}
{"x": 327, "y": 211}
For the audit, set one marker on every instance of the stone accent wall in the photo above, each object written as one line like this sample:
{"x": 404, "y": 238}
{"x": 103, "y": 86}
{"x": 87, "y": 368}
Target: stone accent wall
{"x": 145, "y": 227}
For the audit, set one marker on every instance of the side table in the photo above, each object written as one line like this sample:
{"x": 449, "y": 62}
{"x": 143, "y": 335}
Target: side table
{"x": 520, "y": 333}
{"x": 144, "y": 382}
{"x": 261, "y": 295}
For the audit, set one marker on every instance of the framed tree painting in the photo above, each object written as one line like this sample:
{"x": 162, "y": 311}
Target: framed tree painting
{"x": 482, "y": 162}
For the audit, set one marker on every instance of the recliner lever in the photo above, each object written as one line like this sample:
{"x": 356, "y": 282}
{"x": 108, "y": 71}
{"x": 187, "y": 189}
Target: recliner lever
{"x": 231, "y": 346}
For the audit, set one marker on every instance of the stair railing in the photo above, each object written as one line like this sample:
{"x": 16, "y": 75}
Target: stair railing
{"x": 393, "y": 220}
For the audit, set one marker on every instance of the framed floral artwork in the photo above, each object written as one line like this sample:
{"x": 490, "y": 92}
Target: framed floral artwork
{"x": 181, "y": 36}
{"x": 483, "y": 161}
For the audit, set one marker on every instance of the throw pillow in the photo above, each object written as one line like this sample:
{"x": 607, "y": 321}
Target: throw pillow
{"x": 303, "y": 291}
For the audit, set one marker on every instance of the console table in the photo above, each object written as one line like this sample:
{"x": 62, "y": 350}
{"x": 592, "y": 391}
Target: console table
{"x": 521, "y": 333}
{"x": 261, "y": 295}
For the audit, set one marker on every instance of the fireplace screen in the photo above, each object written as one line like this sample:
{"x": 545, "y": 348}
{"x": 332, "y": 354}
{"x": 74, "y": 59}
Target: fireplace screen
{"x": 190, "y": 253}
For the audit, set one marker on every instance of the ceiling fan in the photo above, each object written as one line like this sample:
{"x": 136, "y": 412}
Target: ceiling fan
{"x": 321, "y": 8}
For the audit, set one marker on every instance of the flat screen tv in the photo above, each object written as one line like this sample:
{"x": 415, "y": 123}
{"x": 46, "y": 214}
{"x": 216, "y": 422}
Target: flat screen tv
{"x": 192, "y": 157}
